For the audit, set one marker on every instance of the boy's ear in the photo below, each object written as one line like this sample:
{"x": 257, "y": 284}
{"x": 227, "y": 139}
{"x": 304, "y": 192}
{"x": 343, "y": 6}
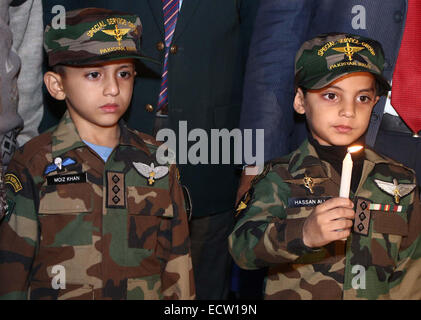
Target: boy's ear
{"x": 299, "y": 102}
{"x": 54, "y": 84}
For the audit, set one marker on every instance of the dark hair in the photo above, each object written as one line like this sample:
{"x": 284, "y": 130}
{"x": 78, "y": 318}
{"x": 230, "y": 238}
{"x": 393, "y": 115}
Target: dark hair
{"x": 304, "y": 90}
{"x": 379, "y": 90}
{"x": 59, "y": 68}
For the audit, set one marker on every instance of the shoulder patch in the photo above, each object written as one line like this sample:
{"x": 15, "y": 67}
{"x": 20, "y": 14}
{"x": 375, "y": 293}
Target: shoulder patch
{"x": 244, "y": 204}
{"x": 13, "y": 180}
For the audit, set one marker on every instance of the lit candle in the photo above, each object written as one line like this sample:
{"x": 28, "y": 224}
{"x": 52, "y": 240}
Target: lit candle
{"x": 347, "y": 172}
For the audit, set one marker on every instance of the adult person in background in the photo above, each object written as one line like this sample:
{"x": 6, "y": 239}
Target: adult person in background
{"x": 280, "y": 27}
{"x": 20, "y": 78}
{"x": 203, "y": 46}
{"x": 10, "y": 121}
{"x": 27, "y": 28}
{"x": 20, "y": 73}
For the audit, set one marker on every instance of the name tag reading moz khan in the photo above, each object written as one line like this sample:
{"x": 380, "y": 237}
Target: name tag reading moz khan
{"x": 66, "y": 179}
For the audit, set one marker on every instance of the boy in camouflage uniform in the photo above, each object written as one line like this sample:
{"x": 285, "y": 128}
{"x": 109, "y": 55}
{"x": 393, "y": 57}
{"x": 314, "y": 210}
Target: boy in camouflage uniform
{"x": 80, "y": 225}
{"x": 316, "y": 244}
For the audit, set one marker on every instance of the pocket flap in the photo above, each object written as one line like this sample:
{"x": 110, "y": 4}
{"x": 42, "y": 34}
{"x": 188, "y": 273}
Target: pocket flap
{"x": 388, "y": 222}
{"x": 148, "y": 201}
{"x": 65, "y": 199}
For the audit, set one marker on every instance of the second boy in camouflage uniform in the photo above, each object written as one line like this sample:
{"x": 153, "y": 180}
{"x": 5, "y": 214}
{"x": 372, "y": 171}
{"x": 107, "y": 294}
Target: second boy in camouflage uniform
{"x": 80, "y": 225}
{"x": 292, "y": 219}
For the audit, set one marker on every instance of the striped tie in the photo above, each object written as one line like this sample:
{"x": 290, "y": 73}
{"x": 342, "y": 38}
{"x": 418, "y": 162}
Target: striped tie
{"x": 170, "y": 8}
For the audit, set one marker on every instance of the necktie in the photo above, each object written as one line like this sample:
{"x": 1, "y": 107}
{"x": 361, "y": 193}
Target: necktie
{"x": 406, "y": 84}
{"x": 170, "y": 9}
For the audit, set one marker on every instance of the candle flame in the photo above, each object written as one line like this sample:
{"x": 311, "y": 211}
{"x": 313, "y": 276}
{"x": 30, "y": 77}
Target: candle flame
{"x": 353, "y": 149}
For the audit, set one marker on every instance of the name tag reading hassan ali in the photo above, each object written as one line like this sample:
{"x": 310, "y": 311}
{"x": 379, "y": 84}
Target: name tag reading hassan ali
{"x": 66, "y": 179}
{"x": 306, "y": 202}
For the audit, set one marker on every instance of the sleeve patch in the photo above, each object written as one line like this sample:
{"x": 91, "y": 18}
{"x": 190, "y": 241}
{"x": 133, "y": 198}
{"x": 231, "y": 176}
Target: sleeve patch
{"x": 10, "y": 178}
{"x": 244, "y": 204}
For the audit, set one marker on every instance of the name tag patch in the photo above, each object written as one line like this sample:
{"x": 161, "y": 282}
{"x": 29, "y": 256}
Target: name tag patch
{"x": 66, "y": 179}
{"x": 306, "y": 202}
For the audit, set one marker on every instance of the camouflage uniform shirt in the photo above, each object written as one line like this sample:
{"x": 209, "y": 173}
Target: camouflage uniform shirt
{"x": 381, "y": 259}
{"x": 92, "y": 230}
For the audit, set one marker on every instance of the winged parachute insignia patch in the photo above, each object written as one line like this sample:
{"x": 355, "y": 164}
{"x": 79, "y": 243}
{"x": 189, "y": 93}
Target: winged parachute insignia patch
{"x": 151, "y": 173}
{"x": 348, "y": 50}
{"x": 395, "y": 189}
{"x": 116, "y": 33}
{"x": 58, "y": 164}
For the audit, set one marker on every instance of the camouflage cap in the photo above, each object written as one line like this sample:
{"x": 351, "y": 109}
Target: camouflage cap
{"x": 93, "y": 35}
{"x": 328, "y": 57}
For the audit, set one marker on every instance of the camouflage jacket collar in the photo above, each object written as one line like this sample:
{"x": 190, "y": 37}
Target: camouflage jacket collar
{"x": 305, "y": 158}
{"x": 65, "y": 137}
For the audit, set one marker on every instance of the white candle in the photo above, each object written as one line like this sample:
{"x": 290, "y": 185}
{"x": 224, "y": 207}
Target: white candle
{"x": 347, "y": 172}
{"x": 346, "y": 176}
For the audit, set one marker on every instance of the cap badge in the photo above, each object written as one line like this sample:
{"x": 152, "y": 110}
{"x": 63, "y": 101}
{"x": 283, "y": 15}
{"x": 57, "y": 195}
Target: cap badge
{"x": 348, "y": 50}
{"x": 116, "y": 33}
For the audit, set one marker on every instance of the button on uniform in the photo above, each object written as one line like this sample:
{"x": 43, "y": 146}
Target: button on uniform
{"x": 160, "y": 46}
{"x": 149, "y": 107}
{"x": 398, "y": 16}
{"x": 173, "y": 49}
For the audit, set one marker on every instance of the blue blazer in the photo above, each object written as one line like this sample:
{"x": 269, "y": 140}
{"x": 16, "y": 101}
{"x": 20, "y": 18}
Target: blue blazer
{"x": 281, "y": 27}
